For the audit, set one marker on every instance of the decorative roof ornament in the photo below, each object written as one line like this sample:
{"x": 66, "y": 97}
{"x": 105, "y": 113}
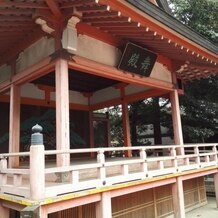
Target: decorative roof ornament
{"x": 44, "y": 25}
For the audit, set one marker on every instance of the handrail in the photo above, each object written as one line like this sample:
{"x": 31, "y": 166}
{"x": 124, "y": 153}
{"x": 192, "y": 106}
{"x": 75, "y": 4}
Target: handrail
{"x": 90, "y": 150}
{"x": 105, "y": 174}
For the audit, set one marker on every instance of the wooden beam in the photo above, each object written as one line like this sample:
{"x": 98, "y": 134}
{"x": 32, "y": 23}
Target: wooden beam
{"x": 107, "y": 20}
{"x": 144, "y": 185}
{"x": 54, "y": 7}
{"x": 62, "y": 111}
{"x": 202, "y": 67}
{"x": 15, "y": 18}
{"x": 35, "y": 71}
{"x": 14, "y": 34}
{"x": 14, "y": 125}
{"x": 102, "y": 70}
{"x": 46, "y": 88}
{"x": 96, "y": 8}
{"x": 199, "y": 173}
{"x": 78, "y": 3}
{"x": 129, "y": 98}
{"x": 100, "y": 14}
{"x": 13, "y": 205}
{"x": 17, "y": 28}
{"x": 14, "y": 11}
{"x": 121, "y": 28}
{"x": 105, "y": 26}
{"x": 71, "y": 202}
{"x": 25, "y": 5}
{"x": 44, "y": 103}
{"x": 28, "y": 23}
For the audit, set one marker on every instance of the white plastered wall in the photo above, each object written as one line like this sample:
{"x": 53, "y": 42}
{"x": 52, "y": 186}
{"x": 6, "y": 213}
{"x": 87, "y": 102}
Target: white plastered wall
{"x": 78, "y": 98}
{"x": 101, "y": 52}
{"x": 133, "y": 89}
{"x": 98, "y": 51}
{"x": 105, "y": 95}
{"x": 30, "y": 90}
{"x": 87, "y": 47}
{"x": 113, "y": 93}
{"x": 5, "y": 73}
{"x": 160, "y": 72}
{"x": 36, "y": 52}
{"x": 74, "y": 97}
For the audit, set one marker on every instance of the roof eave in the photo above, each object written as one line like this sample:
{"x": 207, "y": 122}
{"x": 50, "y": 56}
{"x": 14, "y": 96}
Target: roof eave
{"x": 174, "y": 24}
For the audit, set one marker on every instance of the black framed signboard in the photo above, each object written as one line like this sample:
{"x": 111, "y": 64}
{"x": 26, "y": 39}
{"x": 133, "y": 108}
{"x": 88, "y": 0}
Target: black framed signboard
{"x": 137, "y": 59}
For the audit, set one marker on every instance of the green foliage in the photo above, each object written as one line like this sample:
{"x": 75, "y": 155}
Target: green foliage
{"x": 200, "y": 109}
{"x": 200, "y": 15}
{"x": 116, "y": 126}
{"x": 141, "y": 114}
{"x": 200, "y": 102}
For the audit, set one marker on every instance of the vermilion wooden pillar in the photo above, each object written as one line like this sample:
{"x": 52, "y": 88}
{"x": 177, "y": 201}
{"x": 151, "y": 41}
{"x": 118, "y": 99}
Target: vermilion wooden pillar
{"x": 91, "y": 129}
{"x": 103, "y": 208}
{"x": 126, "y": 125}
{"x": 4, "y": 212}
{"x": 216, "y": 186}
{"x": 176, "y": 117}
{"x": 91, "y": 133}
{"x": 178, "y": 198}
{"x": 14, "y": 125}
{"x": 62, "y": 111}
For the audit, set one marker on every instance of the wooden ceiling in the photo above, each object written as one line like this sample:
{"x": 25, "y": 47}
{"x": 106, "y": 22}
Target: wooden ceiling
{"x": 78, "y": 81}
{"x": 18, "y": 30}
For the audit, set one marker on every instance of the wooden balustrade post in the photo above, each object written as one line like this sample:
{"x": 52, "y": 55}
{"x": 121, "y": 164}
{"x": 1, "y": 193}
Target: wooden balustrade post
{"x": 37, "y": 165}
{"x": 3, "y": 176}
{"x": 207, "y": 159}
{"x": 215, "y": 153}
{"x": 125, "y": 170}
{"x": 101, "y": 170}
{"x": 160, "y": 164}
{"x": 144, "y": 165}
{"x": 187, "y": 161}
{"x": 198, "y": 160}
{"x": 175, "y": 160}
